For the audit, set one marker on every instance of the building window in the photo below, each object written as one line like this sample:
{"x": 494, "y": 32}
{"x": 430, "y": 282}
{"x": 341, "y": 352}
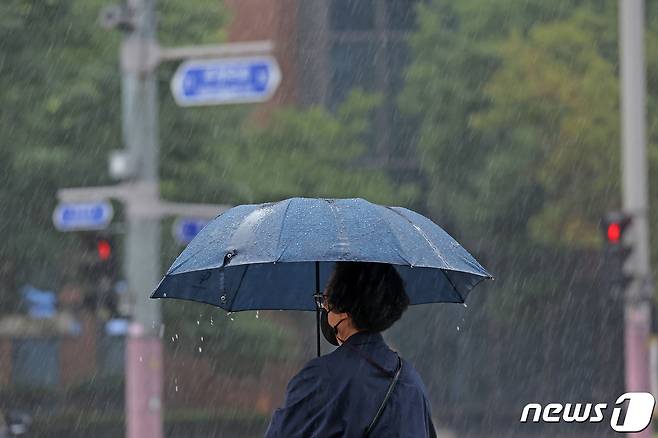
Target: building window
{"x": 400, "y": 14}
{"x": 353, "y": 66}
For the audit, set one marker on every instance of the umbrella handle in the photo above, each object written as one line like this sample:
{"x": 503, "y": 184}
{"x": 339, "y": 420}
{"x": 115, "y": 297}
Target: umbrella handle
{"x": 317, "y": 309}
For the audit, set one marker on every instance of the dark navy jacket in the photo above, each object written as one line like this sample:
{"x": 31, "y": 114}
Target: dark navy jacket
{"x": 338, "y": 394}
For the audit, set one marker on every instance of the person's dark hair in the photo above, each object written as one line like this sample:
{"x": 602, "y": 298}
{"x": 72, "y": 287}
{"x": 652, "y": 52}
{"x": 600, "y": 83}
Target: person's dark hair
{"x": 372, "y": 293}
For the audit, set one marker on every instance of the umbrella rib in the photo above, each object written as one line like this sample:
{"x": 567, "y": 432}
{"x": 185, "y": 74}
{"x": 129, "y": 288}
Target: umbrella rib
{"x": 461, "y": 297}
{"x": 237, "y": 289}
{"x": 390, "y": 229}
{"x": 341, "y": 235}
{"x": 422, "y": 233}
{"x": 279, "y": 253}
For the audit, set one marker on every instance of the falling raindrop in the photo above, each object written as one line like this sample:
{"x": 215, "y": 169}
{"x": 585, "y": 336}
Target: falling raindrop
{"x": 465, "y": 305}
{"x": 198, "y": 322}
{"x": 172, "y": 339}
{"x": 140, "y": 358}
{"x": 256, "y": 314}
{"x": 176, "y": 388}
{"x": 201, "y": 338}
{"x": 164, "y": 295}
{"x": 200, "y": 349}
{"x": 176, "y": 335}
{"x": 457, "y": 328}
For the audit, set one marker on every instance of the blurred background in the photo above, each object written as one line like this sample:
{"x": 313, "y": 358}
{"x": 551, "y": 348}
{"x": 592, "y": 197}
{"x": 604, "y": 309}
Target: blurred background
{"x": 498, "y": 120}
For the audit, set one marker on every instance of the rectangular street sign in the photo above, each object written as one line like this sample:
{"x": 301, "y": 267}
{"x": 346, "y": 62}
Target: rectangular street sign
{"x": 82, "y": 216}
{"x": 225, "y": 81}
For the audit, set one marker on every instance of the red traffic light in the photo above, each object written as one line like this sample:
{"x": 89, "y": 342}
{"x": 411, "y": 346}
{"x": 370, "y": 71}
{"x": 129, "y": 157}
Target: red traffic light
{"x": 103, "y": 249}
{"x": 613, "y": 226}
{"x": 614, "y": 232}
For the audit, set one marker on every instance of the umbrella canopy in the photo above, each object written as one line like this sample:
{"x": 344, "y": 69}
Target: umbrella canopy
{"x": 277, "y": 255}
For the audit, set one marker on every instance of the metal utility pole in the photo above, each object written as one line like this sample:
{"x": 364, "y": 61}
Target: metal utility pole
{"x": 638, "y": 294}
{"x": 140, "y": 193}
{"x": 144, "y": 376}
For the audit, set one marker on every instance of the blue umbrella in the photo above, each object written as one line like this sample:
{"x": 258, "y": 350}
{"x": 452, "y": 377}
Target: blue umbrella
{"x": 278, "y": 255}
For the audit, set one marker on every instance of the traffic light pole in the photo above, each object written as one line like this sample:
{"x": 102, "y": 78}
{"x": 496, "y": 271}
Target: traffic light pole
{"x": 638, "y": 294}
{"x": 140, "y": 195}
{"x": 144, "y": 375}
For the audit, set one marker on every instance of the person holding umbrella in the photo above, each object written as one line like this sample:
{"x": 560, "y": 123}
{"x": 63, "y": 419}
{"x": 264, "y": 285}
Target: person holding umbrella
{"x": 362, "y": 388}
{"x": 371, "y": 261}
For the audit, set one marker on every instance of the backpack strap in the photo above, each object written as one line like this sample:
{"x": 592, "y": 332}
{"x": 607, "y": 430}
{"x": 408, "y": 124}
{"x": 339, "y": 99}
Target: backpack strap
{"x": 388, "y": 394}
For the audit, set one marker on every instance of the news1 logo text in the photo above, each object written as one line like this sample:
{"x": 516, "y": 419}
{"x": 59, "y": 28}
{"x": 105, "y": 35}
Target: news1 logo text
{"x": 634, "y": 418}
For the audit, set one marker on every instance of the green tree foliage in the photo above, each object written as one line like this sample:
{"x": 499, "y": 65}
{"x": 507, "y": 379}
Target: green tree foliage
{"x": 518, "y": 131}
{"x": 309, "y": 152}
{"x": 60, "y": 95}
{"x": 53, "y": 108}
{"x": 454, "y": 56}
{"x": 555, "y": 105}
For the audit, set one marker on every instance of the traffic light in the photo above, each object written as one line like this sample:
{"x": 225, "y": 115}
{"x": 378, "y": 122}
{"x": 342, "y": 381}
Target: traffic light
{"x": 614, "y": 226}
{"x": 99, "y": 271}
{"x": 98, "y": 255}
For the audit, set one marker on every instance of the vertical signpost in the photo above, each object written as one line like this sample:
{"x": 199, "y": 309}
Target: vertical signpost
{"x": 251, "y": 75}
{"x": 638, "y": 293}
{"x": 144, "y": 368}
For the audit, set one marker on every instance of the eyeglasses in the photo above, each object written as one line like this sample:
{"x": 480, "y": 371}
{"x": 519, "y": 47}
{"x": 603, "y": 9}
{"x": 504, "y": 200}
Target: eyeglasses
{"x": 321, "y": 300}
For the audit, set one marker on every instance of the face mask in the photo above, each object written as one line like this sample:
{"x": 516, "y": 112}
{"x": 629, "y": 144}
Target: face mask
{"x": 328, "y": 331}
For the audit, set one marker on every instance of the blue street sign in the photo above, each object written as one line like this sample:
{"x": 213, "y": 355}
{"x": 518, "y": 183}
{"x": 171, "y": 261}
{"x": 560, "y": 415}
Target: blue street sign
{"x": 184, "y": 229}
{"x": 83, "y": 216}
{"x": 225, "y": 80}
